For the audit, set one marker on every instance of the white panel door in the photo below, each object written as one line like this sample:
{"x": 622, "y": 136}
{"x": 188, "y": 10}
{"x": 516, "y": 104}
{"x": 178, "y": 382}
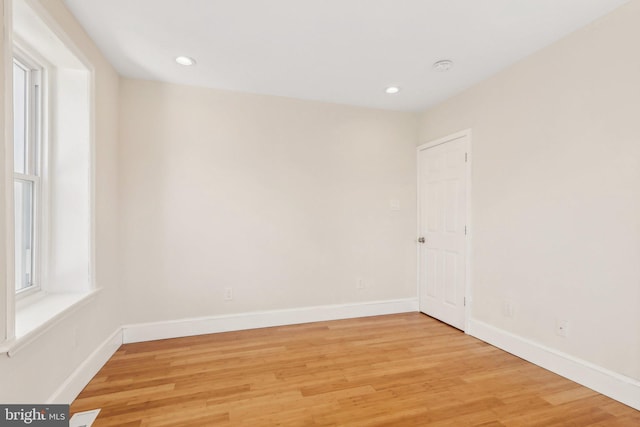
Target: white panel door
{"x": 442, "y": 209}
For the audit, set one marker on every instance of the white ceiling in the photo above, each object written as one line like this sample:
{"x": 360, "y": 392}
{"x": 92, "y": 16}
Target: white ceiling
{"x": 342, "y": 51}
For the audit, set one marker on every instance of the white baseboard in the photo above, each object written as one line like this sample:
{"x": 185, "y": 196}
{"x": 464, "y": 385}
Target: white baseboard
{"x": 262, "y": 319}
{"x": 609, "y": 383}
{"x": 73, "y": 385}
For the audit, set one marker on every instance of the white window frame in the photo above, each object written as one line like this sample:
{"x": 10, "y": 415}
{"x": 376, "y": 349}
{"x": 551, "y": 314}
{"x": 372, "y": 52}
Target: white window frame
{"x": 35, "y": 158}
{"x": 68, "y": 88}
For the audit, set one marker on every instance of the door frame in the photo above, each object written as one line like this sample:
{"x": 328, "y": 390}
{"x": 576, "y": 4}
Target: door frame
{"x": 466, "y": 135}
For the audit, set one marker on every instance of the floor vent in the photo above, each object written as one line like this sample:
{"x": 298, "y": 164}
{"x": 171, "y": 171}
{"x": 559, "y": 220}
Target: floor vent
{"x": 84, "y": 419}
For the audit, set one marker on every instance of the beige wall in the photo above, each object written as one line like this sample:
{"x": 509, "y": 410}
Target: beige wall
{"x": 556, "y": 192}
{"x": 285, "y": 201}
{"x": 35, "y": 372}
{"x": 3, "y": 189}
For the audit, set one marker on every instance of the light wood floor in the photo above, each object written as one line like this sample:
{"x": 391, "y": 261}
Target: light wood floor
{"x": 396, "y": 370}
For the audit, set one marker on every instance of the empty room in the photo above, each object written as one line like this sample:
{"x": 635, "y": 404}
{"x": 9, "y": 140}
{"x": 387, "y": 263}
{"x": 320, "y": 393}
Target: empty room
{"x": 320, "y": 213}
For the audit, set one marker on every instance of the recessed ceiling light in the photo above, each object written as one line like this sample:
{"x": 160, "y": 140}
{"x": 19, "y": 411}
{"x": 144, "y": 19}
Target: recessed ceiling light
{"x": 392, "y": 89}
{"x": 444, "y": 65}
{"x": 185, "y": 60}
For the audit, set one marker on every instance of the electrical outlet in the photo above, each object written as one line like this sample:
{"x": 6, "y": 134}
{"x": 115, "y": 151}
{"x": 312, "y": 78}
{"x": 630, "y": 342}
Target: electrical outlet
{"x": 562, "y": 328}
{"x": 228, "y": 294}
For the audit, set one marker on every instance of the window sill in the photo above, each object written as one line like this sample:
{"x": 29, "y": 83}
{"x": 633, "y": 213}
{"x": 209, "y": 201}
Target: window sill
{"x": 38, "y": 313}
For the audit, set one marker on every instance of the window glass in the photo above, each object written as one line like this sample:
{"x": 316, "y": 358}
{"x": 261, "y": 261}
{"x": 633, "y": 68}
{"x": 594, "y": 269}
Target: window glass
{"x": 20, "y": 90}
{"x": 26, "y": 116}
{"x": 24, "y": 225}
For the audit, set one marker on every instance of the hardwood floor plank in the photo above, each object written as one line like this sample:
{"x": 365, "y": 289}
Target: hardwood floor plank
{"x": 397, "y": 370}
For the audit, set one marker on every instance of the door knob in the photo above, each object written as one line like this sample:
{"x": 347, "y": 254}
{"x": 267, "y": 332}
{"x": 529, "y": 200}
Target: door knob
{"x": 421, "y": 240}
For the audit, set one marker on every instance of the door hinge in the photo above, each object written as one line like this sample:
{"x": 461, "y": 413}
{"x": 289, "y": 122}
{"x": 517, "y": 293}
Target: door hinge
{"x": 465, "y": 230}
{"x": 466, "y": 157}
{"x": 465, "y": 301}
